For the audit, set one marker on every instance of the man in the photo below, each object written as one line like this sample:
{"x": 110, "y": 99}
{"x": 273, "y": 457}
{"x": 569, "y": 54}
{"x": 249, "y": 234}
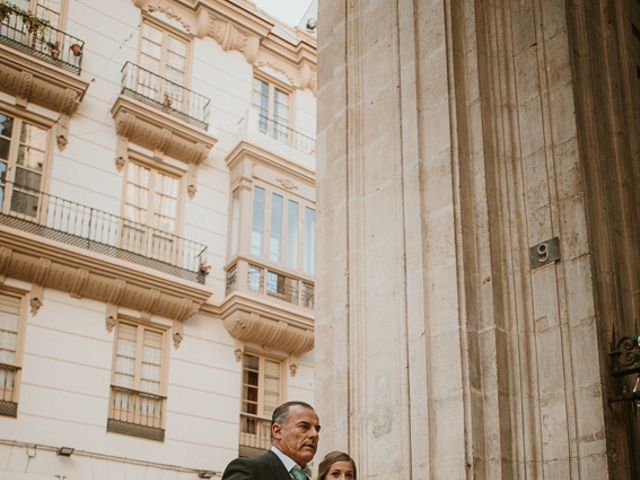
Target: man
{"x": 295, "y": 430}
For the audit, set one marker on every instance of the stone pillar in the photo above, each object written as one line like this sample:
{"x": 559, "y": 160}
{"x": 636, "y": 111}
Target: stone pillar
{"x": 449, "y": 144}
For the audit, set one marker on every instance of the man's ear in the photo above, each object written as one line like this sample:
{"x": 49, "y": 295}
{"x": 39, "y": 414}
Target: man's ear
{"x": 276, "y": 430}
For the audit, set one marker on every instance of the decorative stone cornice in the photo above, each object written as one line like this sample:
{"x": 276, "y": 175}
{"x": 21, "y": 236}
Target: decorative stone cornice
{"x": 153, "y": 129}
{"x": 30, "y": 79}
{"x": 238, "y": 25}
{"x": 255, "y": 321}
{"x": 86, "y": 274}
{"x": 244, "y": 158}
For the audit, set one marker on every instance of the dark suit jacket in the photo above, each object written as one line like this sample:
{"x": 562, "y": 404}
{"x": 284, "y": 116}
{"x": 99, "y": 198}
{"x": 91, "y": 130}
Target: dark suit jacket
{"x": 265, "y": 467}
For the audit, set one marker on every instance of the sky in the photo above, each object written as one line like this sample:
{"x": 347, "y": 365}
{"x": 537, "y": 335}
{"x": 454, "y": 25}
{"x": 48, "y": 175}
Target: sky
{"x": 289, "y": 11}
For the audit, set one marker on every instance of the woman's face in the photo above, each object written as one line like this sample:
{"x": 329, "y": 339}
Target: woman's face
{"x": 341, "y": 471}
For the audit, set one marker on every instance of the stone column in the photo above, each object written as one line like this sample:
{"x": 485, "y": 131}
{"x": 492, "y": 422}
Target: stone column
{"x": 449, "y": 144}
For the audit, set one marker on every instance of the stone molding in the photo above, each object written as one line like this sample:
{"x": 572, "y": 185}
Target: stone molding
{"x": 247, "y": 161}
{"x": 85, "y": 274}
{"x": 31, "y": 80}
{"x": 250, "y": 320}
{"x": 163, "y": 133}
{"x": 237, "y": 25}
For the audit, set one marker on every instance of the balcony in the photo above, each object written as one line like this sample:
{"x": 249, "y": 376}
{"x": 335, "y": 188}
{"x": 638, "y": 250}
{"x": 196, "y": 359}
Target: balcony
{"x": 135, "y": 413}
{"x": 162, "y": 116}
{"x": 39, "y": 63}
{"x": 25, "y": 32}
{"x": 271, "y": 282}
{"x": 269, "y": 306}
{"x": 165, "y": 95}
{"x": 255, "y": 435}
{"x": 258, "y": 128}
{"x": 98, "y": 231}
{"x": 8, "y": 374}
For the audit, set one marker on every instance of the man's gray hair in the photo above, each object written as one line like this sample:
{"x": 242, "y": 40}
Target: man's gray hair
{"x": 281, "y": 413}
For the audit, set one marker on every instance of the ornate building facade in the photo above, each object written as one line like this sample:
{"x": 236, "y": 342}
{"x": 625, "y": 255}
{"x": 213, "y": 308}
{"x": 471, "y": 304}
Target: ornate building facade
{"x": 479, "y": 279}
{"x": 157, "y": 234}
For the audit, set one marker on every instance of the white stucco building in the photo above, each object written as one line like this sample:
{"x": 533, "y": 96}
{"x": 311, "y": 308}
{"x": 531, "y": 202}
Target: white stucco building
{"x": 142, "y": 142}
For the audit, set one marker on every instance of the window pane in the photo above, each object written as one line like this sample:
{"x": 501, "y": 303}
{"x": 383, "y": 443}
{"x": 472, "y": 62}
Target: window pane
{"x": 6, "y": 125}
{"x": 235, "y": 223}
{"x": 32, "y": 136}
{"x": 24, "y": 203}
{"x": 9, "y": 322}
{"x": 309, "y": 240}
{"x": 292, "y": 234}
{"x": 177, "y": 46}
{"x": 152, "y": 33}
{"x": 275, "y": 241}
{"x": 4, "y": 148}
{"x": 257, "y": 228}
{"x": 254, "y": 279}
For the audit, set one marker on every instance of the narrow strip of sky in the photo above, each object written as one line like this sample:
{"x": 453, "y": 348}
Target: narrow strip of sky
{"x": 289, "y": 11}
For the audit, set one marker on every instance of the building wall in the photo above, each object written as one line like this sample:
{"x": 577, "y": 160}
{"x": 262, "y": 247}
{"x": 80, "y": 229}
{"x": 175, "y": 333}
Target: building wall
{"x": 453, "y": 137}
{"x": 68, "y": 349}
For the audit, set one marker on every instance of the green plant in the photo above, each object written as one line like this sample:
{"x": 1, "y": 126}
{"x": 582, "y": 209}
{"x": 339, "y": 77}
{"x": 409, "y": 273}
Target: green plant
{"x": 31, "y": 21}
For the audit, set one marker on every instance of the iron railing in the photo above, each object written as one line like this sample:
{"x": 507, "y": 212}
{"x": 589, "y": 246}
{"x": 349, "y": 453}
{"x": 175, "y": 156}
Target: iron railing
{"x": 8, "y": 375}
{"x": 280, "y": 130}
{"x": 134, "y": 413}
{"x": 165, "y": 95}
{"x": 85, "y": 227}
{"x": 268, "y": 281}
{"x": 25, "y": 32}
{"x": 255, "y": 432}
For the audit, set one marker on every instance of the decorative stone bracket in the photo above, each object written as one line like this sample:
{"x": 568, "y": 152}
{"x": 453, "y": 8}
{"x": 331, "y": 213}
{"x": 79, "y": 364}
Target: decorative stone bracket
{"x": 270, "y": 328}
{"x": 46, "y": 264}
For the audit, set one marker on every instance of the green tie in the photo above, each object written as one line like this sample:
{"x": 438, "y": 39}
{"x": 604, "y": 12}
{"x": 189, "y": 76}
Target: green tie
{"x": 298, "y": 474}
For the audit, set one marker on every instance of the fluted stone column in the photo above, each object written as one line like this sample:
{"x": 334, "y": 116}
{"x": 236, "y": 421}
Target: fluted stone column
{"x": 449, "y": 144}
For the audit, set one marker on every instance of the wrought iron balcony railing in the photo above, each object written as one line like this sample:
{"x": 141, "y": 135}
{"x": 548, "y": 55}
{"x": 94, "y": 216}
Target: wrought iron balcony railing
{"x": 271, "y": 282}
{"x": 165, "y": 95}
{"x": 85, "y": 227}
{"x": 255, "y": 434}
{"x": 257, "y": 120}
{"x": 280, "y": 131}
{"x": 135, "y": 413}
{"x": 34, "y": 36}
{"x": 8, "y": 405}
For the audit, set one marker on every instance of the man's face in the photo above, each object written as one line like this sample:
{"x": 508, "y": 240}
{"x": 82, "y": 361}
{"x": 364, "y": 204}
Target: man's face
{"x": 298, "y": 437}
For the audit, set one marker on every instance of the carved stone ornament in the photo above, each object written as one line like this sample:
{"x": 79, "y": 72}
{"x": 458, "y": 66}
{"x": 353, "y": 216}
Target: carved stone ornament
{"x": 293, "y": 365}
{"x": 110, "y": 323}
{"x": 191, "y": 191}
{"x": 177, "y": 339}
{"x": 35, "y": 304}
{"x": 120, "y": 161}
{"x": 286, "y": 183}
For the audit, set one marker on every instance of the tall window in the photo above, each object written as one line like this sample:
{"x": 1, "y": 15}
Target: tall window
{"x": 310, "y": 240}
{"x": 289, "y": 231}
{"x": 151, "y": 200}
{"x": 272, "y": 104}
{"x": 10, "y": 320}
{"x": 261, "y": 378}
{"x": 164, "y": 54}
{"x": 137, "y": 385}
{"x": 23, "y": 148}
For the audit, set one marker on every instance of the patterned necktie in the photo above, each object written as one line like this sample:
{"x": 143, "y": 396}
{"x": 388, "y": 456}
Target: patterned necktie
{"x": 298, "y": 474}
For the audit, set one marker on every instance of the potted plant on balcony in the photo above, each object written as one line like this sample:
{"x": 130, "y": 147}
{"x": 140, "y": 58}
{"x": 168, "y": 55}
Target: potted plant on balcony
{"x": 204, "y": 268}
{"x": 54, "y": 48}
{"x": 76, "y": 49}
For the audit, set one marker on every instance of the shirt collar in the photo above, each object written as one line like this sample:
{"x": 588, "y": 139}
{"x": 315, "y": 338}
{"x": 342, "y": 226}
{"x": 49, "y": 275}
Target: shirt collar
{"x": 288, "y": 462}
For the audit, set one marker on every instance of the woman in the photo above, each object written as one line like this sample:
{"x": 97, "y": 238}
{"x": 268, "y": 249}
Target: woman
{"x": 337, "y": 465}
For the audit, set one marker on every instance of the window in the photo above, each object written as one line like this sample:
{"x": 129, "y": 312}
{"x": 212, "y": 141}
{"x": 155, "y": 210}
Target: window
{"x": 283, "y": 230}
{"x": 163, "y": 54}
{"x": 137, "y": 387}
{"x": 150, "y": 212}
{"x": 49, "y": 10}
{"x": 12, "y": 311}
{"x": 261, "y": 387}
{"x": 23, "y": 152}
{"x": 272, "y": 103}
